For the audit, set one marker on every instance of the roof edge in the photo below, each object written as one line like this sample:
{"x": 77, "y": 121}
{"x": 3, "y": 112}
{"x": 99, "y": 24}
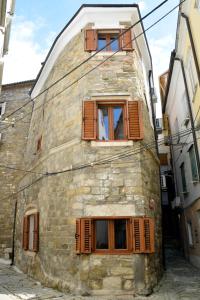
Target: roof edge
{"x": 69, "y": 22}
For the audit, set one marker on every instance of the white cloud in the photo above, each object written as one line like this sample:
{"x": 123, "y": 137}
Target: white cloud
{"x": 161, "y": 51}
{"x": 25, "y": 55}
{"x": 142, "y": 5}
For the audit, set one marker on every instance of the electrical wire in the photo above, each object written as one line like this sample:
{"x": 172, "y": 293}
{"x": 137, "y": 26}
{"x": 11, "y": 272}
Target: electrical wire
{"x": 77, "y": 80}
{"x": 107, "y": 159}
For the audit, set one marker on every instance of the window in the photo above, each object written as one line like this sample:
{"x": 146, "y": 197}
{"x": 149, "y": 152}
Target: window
{"x": 193, "y": 163}
{"x": 191, "y": 74}
{"x": 108, "y": 40}
{"x": 31, "y": 232}
{"x": 184, "y": 186}
{"x": 112, "y": 120}
{"x": 2, "y": 108}
{"x": 114, "y": 235}
{"x": 190, "y": 238}
{"x": 197, "y": 4}
{"x": 39, "y": 144}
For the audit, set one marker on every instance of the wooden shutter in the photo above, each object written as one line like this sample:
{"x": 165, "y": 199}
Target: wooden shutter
{"x": 86, "y": 236}
{"x": 36, "y": 233}
{"x": 126, "y": 40}
{"x": 149, "y": 235}
{"x": 143, "y": 235}
{"x": 138, "y": 235}
{"x": 135, "y": 125}
{"x": 90, "y": 40}
{"x": 78, "y": 236}
{"x": 25, "y": 233}
{"x": 89, "y": 120}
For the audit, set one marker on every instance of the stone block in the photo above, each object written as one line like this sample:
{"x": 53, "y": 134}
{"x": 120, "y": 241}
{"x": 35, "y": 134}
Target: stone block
{"x": 112, "y": 283}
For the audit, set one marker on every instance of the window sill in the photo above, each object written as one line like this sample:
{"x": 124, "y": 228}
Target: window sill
{"x": 111, "y": 143}
{"x": 30, "y": 253}
{"x": 108, "y": 53}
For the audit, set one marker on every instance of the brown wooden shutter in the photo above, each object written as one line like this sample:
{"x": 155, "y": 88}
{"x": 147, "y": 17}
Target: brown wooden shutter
{"x": 86, "y": 236}
{"x": 78, "y": 236}
{"x": 36, "y": 233}
{"x": 89, "y": 120}
{"x": 90, "y": 40}
{"x": 143, "y": 235}
{"x": 25, "y": 233}
{"x": 135, "y": 125}
{"x": 149, "y": 235}
{"x": 126, "y": 40}
{"x": 138, "y": 235}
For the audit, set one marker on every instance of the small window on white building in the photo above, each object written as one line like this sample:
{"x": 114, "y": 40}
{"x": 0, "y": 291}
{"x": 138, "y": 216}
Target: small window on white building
{"x": 197, "y": 4}
{"x": 191, "y": 74}
{"x": 2, "y": 108}
{"x": 190, "y": 237}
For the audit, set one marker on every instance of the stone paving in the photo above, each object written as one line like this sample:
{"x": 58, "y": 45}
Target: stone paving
{"x": 180, "y": 281}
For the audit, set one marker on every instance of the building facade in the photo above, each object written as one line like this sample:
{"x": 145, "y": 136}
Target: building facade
{"x": 89, "y": 221}
{"x": 181, "y": 105}
{"x": 13, "y": 138}
{"x": 6, "y": 14}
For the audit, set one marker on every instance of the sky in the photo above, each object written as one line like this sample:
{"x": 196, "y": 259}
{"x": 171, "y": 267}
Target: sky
{"x": 37, "y": 22}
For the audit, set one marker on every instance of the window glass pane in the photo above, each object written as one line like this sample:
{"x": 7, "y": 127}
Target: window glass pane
{"x": 183, "y": 177}
{"x": 115, "y": 45}
{"x": 120, "y": 234}
{"x": 101, "y": 42}
{"x": 193, "y": 163}
{"x": 118, "y": 123}
{"x": 31, "y": 232}
{"x": 101, "y": 234}
{"x": 103, "y": 123}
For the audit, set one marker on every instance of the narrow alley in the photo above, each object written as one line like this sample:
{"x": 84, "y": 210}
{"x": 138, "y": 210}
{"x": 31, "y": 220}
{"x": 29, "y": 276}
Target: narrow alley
{"x": 180, "y": 281}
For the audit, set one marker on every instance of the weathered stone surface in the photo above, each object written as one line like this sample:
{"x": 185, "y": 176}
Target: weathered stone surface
{"x": 12, "y": 145}
{"x": 117, "y": 188}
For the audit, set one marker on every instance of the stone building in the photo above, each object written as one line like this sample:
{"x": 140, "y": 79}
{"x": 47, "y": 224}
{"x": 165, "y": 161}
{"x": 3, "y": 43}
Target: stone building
{"x": 13, "y": 138}
{"x": 91, "y": 146}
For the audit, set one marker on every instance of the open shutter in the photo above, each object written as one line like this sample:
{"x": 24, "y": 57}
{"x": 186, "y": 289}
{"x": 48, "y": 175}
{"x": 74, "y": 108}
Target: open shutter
{"x": 149, "y": 235}
{"x": 126, "y": 40}
{"x": 78, "y": 236}
{"x": 135, "y": 126}
{"x": 86, "y": 236}
{"x": 36, "y": 233}
{"x": 143, "y": 235}
{"x": 25, "y": 233}
{"x": 89, "y": 120}
{"x": 138, "y": 235}
{"x": 90, "y": 40}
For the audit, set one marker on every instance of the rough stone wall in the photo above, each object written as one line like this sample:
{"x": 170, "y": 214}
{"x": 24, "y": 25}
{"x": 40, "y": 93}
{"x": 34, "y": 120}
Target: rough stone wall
{"x": 11, "y": 154}
{"x": 122, "y": 187}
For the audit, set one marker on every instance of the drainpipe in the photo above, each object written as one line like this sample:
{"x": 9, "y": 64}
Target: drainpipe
{"x": 192, "y": 45}
{"x": 13, "y": 236}
{"x": 152, "y": 110}
{"x": 191, "y": 115}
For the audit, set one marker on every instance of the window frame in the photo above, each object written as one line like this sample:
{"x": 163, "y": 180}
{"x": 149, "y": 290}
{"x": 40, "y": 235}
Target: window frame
{"x": 26, "y": 231}
{"x": 107, "y": 33}
{"x": 183, "y": 178}
{"x": 141, "y": 235}
{"x": 111, "y": 238}
{"x": 193, "y": 163}
{"x": 111, "y": 104}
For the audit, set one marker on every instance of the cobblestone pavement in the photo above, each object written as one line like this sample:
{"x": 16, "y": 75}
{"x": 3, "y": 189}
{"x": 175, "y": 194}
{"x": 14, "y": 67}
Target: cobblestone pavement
{"x": 180, "y": 281}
